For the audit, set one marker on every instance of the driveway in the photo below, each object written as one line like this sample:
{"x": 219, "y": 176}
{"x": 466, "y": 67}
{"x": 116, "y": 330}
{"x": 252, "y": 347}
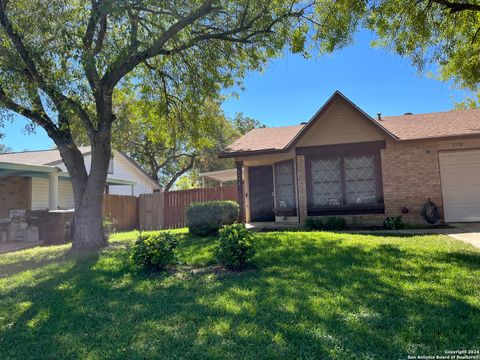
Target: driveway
{"x": 467, "y": 232}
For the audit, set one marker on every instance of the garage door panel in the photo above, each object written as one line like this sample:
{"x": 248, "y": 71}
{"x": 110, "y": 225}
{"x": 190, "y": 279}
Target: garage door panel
{"x": 460, "y": 175}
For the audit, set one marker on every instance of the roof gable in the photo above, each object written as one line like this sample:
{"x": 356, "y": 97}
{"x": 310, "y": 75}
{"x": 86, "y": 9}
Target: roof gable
{"x": 338, "y": 98}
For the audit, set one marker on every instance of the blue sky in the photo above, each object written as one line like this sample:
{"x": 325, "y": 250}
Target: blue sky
{"x": 292, "y": 89}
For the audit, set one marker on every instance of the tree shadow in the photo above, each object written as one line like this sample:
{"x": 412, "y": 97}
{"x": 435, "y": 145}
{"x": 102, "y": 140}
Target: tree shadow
{"x": 306, "y": 299}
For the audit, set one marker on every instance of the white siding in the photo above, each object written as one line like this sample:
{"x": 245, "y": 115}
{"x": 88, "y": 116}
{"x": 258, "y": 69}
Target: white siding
{"x": 65, "y": 194}
{"x": 123, "y": 169}
{"x": 39, "y": 194}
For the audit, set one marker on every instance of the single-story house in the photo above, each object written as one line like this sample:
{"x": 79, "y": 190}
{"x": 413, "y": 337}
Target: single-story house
{"x": 38, "y": 180}
{"x": 344, "y": 162}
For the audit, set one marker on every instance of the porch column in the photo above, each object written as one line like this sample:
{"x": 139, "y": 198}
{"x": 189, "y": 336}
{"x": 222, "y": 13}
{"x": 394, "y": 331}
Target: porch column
{"x": 53, "y": 191}
{"x": 241, "y": 196}
{"x": 301, "y": 188}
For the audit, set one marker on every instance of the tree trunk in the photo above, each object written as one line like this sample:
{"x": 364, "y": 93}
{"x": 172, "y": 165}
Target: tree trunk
{"x": 88, "y": 224}
{"x": 88, "y": 190}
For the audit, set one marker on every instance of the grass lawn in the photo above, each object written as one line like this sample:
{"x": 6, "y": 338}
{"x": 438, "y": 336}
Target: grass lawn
{"x": 309, "y": 295}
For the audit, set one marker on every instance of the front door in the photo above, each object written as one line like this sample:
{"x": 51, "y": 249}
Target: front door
{"x": 260, "y": 180}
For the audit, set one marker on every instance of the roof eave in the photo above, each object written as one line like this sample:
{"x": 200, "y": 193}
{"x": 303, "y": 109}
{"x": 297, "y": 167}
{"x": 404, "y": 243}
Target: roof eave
{"x": 225, "y": 155}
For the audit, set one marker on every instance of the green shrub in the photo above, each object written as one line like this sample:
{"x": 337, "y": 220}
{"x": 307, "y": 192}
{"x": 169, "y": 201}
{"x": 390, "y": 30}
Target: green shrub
{"x": 335, "y": 223}
{"x": 154, "y": 251}
{"x": 207, "y": 218}
{"x": 330, "y": 223}
{"x": 235, "y": 246}
{"x": 109, "y": 225}
{"x": 314, "y": 223}
{"x": 393, "y": 223}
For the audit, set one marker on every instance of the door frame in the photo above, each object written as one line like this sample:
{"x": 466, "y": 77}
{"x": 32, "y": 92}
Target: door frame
{"x": 250, "y": 190}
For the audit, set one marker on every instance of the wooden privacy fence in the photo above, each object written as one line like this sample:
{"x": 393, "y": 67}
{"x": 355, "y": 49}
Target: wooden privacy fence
{"x": 167, "y": 210}
{"x": 122, "y": 208}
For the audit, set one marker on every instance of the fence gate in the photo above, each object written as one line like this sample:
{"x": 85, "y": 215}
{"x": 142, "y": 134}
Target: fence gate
{"x": 150, "y": 211}
{"x": 166, "y": 210}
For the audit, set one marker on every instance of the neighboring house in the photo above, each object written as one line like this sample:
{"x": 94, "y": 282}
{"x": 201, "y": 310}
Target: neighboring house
{"x": 344, "y": 162}
{"x": 38, "y": 180}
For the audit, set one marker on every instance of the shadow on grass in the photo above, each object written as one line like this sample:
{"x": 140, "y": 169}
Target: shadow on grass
{"x": 307, "y": 299}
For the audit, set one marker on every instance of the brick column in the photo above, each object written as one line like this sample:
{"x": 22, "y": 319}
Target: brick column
{"x": 241, "y": 197}
{"x": 302, "y": 188}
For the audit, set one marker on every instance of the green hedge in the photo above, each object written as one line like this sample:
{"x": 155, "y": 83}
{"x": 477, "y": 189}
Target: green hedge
{"x": 207, "y": 217}
{"x": 154, "y": 251}
{"x": 332, "y": 223}
{"x": 235, "y": 246}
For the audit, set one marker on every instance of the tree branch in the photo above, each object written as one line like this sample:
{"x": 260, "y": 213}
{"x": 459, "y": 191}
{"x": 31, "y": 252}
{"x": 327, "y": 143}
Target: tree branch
{"x": 61, "y": 101}
{"x": 40, "y": 119}
{"x": 455, "y": 7}
{"x": 124, "y": 65}
{"x": 181, "y": 172}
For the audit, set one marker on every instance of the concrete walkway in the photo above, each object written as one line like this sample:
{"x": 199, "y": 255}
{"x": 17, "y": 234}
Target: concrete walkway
{"x": 467, "y": 232}
{"x": 16, "y": 245}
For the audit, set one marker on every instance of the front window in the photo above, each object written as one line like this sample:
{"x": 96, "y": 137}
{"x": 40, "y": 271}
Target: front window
{"x": 360, "y": 182}
{"x": 284, "y": 188}
{"x": 344, "y": 184}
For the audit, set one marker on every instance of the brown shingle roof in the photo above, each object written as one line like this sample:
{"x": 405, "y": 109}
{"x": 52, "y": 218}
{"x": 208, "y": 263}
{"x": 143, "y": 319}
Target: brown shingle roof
{"x": 263, "y": 139}
{"x": 433, "y": 125}
{"x": 40, "y": 157}
{"x": 404, "y": 127}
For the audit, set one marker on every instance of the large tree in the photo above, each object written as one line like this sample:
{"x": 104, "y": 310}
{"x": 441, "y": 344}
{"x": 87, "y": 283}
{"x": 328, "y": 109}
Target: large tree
{"x": 164, "y": 143}
{"x": 60, "y": 62}
{"x": 445, "y": 33}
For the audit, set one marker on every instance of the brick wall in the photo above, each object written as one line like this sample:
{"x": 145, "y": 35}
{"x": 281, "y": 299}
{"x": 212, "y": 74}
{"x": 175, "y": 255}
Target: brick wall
{"x": 411, "y": 176}
{"x": 301, "y": 188}
{"x": 15, "y": 194}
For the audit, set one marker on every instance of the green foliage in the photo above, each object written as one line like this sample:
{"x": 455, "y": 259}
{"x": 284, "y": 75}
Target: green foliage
{"x": 394, "y": 223}
{"x": 472, "y": 102}
{"x": 109, "y": 225}
{"x": 314, "y": 223}
{"x": 426, "y": 31}
{"x": 235, "y": 246}
{"x": 154, "y": 251}
{"x": 207, "y": 218}
{"x": 302, "y": 282}
{"x": 332, "y": 223}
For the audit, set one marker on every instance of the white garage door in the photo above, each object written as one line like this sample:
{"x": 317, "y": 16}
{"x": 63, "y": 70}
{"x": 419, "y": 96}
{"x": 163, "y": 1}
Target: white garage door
{"x": 460, "y": 173}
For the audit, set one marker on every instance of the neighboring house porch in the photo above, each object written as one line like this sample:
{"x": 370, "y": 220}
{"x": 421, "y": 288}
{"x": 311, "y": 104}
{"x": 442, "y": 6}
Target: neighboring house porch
{"x": 39, "y": 187}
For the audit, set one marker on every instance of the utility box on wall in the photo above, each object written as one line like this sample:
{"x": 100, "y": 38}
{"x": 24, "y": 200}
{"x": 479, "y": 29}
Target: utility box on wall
{"x": 55, "y": 227}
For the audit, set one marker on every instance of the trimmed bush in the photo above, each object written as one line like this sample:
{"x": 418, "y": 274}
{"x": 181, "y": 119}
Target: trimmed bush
{"x": 393, "y": 223}
{"x": 333, "y": 223}
{"x": 109, "y": 225}
{"x": 207, "y": 218}
{"x": 235, "y": 246}
{"x": 314, "y": 223}
{"x": 154, "y": 251}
